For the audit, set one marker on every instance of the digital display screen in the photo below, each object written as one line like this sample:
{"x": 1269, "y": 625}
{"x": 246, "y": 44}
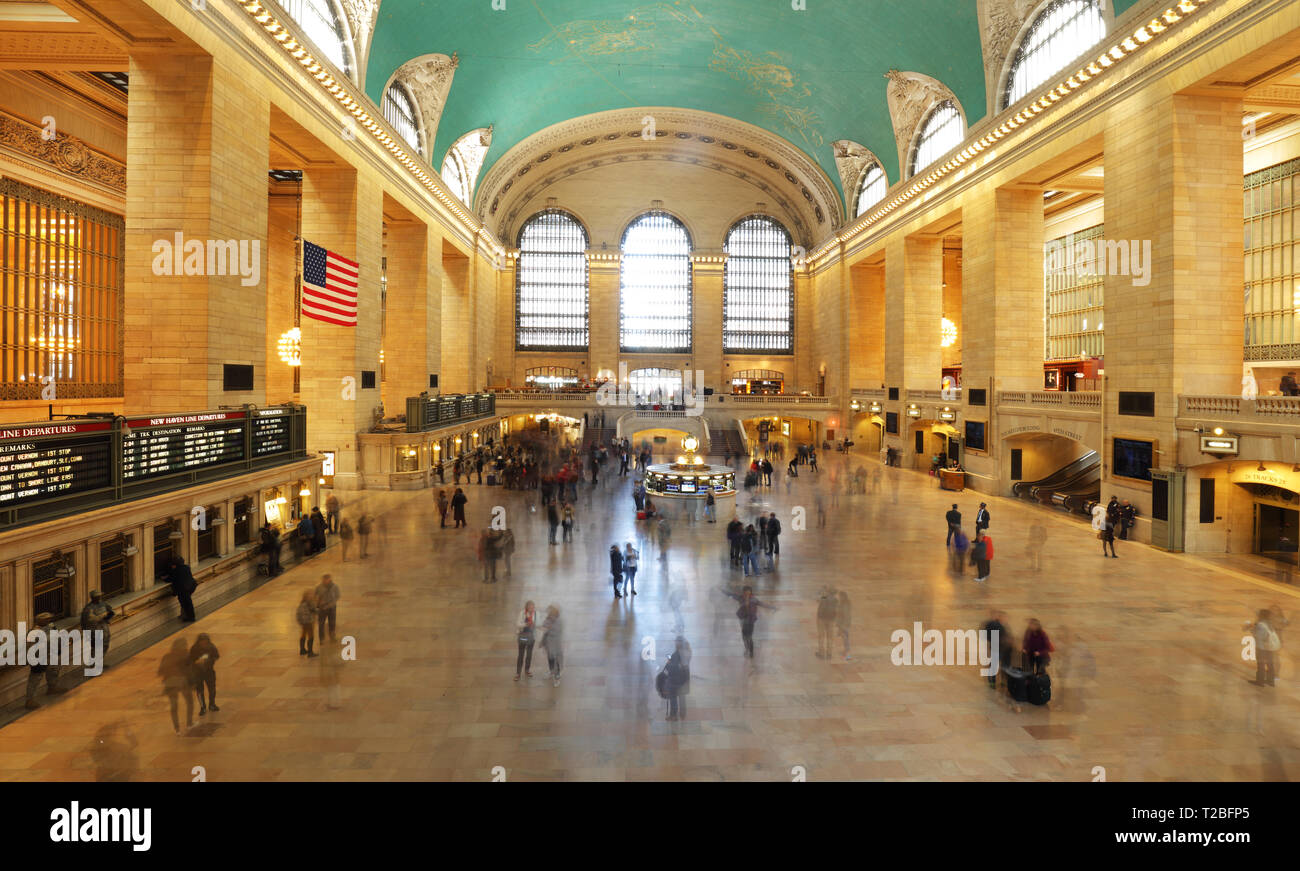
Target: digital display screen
{"x": 154, "y": 446}
{"x": 688, "y": 486}
{"x": 36, "y": 463}
{"x": 1132, "y": 458}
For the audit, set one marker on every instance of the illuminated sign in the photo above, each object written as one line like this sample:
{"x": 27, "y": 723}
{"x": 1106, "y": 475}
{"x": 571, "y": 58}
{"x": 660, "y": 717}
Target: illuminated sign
{"x": 1219, "y": 444}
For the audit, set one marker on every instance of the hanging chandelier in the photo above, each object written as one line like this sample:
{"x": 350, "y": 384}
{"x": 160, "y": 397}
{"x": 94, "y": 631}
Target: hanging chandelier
{"x": 947, "y": 333}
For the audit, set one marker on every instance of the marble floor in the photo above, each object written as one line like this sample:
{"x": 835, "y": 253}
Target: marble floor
{"x": 1148, "y": 678}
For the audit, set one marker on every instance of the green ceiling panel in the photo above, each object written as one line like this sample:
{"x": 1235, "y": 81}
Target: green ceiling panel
{"x": 811, "y": 76}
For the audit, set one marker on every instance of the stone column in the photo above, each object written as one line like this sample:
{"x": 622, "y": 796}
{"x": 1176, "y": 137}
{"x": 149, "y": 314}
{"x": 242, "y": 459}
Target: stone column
{"x": 706, "y": 320}
{"x": 197, "y": 159}
{"x": 412, "y": 315}
{"x": 866, "y": 326}
{"x": 1173, "y": 183}
{"x": 456, "y": 323}
{"x": 345, "y": 215}
{"x": 913, "y": 309}
{"x": 603, "y": 274}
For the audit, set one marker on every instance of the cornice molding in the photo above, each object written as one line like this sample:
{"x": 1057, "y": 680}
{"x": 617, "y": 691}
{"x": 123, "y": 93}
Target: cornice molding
{"x": 67, "y": 154}
{"x": 1005, "y": 129}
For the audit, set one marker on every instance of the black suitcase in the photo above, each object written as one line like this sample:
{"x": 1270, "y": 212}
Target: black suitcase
{"x": 1017, "y": 683}
{"x": 491, "y": 480}
{"x": 1039, "y": 689}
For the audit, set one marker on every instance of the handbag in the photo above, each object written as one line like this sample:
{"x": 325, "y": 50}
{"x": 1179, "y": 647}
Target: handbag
{"x": 526, "y": 635}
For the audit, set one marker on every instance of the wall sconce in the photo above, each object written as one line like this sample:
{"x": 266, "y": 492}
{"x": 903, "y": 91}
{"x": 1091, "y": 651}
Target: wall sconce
{"x": 855, "y": 405}
{"x": 176, "y": 534}
{"x": 875, "y": 408}
{"x": 66, "y": 569}
{"x": 218, "y": 520}
{"x": 128, "y": 549}
{"x": 289, "y": 347}
{"x": 305, "y": 492}
{"x": 913, "y": 411}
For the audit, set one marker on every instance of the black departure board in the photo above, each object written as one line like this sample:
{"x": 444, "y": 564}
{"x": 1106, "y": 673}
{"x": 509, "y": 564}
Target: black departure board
{"x": 40, "y": 462}
{"x": 153, "y": 446}
{"x": 271, "y": 432}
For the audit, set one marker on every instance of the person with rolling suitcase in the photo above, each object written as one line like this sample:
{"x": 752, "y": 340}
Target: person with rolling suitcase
{"x": 1037, "y": 649}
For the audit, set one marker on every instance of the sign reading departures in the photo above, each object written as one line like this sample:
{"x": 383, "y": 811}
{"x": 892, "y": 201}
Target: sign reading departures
{"x": 42, "y": 464}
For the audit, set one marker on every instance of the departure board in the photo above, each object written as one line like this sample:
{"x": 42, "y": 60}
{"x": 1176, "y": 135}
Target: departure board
{"x": 153, "y": 446}
{"x": 39, "y": 462}
{"x": 271, "y": 432}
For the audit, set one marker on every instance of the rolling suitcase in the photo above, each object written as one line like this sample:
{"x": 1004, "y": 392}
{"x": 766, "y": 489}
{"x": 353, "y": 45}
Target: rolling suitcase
{"x": 1039, "y": 689}
{"x": 1017, "y": 683}
{"x": 491, "y": 480}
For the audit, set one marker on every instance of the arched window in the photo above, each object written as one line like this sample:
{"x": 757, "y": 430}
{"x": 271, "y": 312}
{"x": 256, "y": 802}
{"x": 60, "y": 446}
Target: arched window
{"x": 551, "y": 284}
{"x": 655, "y": 296}
{"x": 320, "y": 23}
{"x": 399, "y": 111}
{"x": 655, "y": 385}
{"x": 941, "y": 131}
{"x": 463, "y": 161}
{"x": 1060, "y": 33}
{"x": 757, "y": 289}
{"x": 873, "y": 187}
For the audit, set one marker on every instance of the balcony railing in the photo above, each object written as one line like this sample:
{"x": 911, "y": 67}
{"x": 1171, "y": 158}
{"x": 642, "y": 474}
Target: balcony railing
{"x": 1267, "y": 409}
{"x": 1083, "y": 400}
{"x": 948, "y": 396}
{"x": 717, "y": 399}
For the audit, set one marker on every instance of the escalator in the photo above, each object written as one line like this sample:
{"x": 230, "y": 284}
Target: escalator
{"x": 1075, "y": 487}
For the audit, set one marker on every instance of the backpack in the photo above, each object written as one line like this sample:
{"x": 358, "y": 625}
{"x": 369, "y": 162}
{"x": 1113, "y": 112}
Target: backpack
{"x": 661, "y": 682}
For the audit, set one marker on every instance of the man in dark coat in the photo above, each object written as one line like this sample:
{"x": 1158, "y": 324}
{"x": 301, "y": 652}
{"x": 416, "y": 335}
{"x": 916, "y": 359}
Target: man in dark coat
{"x": 981, "y": 519}
{"x": 954, "y": 523}
{"x": 271, "y": 547}
{"x": 183, "y": 587}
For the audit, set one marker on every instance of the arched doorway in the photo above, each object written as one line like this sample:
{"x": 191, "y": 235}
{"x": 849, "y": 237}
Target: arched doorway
{"x": 931, "y": 439}
{"x": 655, "y": 386}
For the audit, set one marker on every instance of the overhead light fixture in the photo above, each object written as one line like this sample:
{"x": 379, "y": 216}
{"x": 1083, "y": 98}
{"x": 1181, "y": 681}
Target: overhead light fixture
{"x": 947, "y": 333}
{"x": 66, "y": 569}
{"x": 289, "y": 347}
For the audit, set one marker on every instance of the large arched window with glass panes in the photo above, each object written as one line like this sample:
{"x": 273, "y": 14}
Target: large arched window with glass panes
{"x": 1060, "y": 32}
{"x": 757, "y": 289}
{"x": 940, "y": 132}
{"x": 551, "y": 290}
{"x": 320, "y": 22}
{"x": 655, "y": 285}
{"x": 872, "y": 188}
{"x": 463, "y": 161}
{"x": 399, "y": 111}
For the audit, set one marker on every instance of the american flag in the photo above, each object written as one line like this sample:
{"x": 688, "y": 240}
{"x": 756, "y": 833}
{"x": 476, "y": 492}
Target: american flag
{"x": 329, "y": 286}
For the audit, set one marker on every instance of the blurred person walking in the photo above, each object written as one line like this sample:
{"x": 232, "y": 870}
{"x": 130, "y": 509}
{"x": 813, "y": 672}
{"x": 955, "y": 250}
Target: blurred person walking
{"x": 997, "y": 622}
{"x": 203, "y": 658}
{"x": 444, "y": 504}
{"x": 95, "y": 617}
{"x": 1267, "y": 644}
{"x": 1036, "y": 647}
{"x": 982, "y": 556}
{"x": 332, "y": 514}
{"x": 271, "y": 547}
{"x": 176, "y": 674}
{"x": 318, "y": 528}
{"x": 827, "y": 605}
{"x": 364, "y": 526}
{"x": 345, "y": 537}
{"x": 553, "y": 643}
{"x": 1107, "y": 536}
{"x": 676, "y": 679}
{"x": 665, "y": 537}
{"x": 327, "y": 599}
{"x": 747, "y": 613}
{"x": 749, "y": 549}
{"x": 306, "y": 616}
{"x": 526, "y": 629}
{"x": 47, "y": 671}
{"x": 458, "y": 508}
{"x": 844, "y": 621}
{"x": 959, "y": 545}
{"x": 616, "y": 569}
{"x": 630, "y": 557}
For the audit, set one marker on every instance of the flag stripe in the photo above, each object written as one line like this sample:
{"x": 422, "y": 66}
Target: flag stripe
{"x": 329, "y": 286}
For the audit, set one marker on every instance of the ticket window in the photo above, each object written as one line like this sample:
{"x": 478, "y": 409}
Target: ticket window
{"x": 164, "y": 548}
{"x": 112, "y": 567}
{"x": 243, "y": 521}
{"x": 275, "y": 507}
{"x": 206, "y": 539}
{"x": 50, "y": 590}
{"x": 408, "y": 459}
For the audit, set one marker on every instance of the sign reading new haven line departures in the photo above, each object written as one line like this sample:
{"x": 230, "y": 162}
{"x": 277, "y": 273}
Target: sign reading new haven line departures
{"x": 47, "y": 461}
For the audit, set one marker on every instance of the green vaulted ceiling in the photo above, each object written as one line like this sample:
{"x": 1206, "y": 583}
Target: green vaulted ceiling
{"x": 811, "y": 76}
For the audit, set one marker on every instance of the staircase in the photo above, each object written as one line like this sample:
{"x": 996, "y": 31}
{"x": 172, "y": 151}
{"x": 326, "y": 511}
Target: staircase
{"x": 593, "y": 435}
{"x": 727, "y": 439}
